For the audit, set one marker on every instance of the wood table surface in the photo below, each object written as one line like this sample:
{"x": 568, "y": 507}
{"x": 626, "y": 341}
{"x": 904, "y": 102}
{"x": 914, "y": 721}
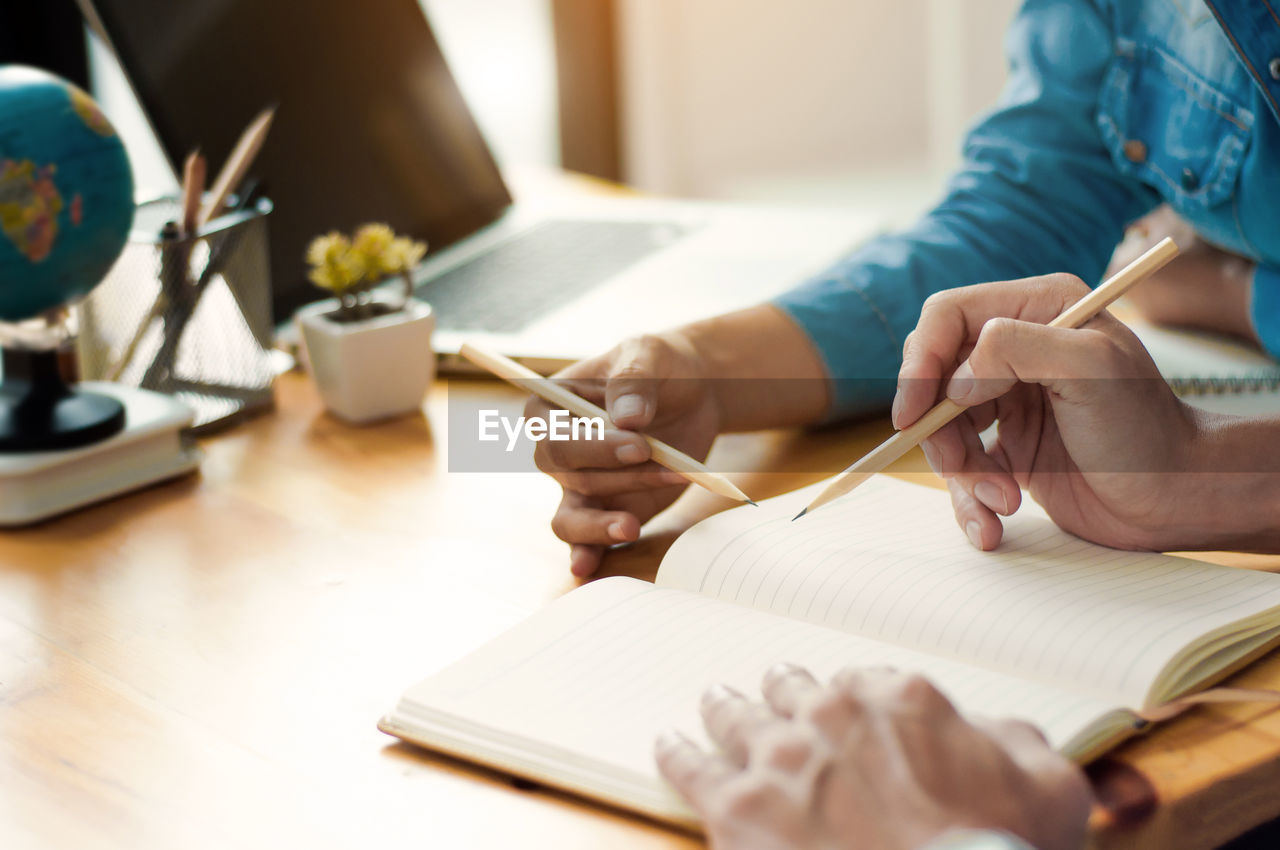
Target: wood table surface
{"x": 201, "y": 664}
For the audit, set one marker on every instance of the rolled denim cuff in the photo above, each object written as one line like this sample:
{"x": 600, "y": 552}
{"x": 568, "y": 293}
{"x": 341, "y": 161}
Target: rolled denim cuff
{"x": 855, "y": 342}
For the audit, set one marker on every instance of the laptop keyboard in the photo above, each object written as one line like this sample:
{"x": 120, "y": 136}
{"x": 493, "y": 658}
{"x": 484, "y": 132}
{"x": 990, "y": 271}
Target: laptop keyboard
{"x": 519, "y": 280}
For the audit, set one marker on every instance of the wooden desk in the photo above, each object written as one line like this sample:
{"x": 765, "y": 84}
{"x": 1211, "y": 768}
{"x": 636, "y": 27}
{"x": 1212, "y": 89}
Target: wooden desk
{"x": 201, "y": 664}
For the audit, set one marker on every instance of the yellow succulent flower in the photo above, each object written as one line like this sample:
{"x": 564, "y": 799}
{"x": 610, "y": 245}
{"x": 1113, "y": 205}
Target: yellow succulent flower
{"x": 370, "y": 245}
{"x": 333, "y": 264}
{"x": 375, "y": 252}
{"x": 402, "y": 255}
{"x": 323, "y": 249}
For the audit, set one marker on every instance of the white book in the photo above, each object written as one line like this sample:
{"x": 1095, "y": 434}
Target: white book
{"x": 153, "y": 447}
{"x": 1073, "y": 637}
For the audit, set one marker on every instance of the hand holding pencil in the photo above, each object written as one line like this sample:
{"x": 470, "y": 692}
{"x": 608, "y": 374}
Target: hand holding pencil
{"x": 1086, "y": 423}
{"x": 648, "y": 389}
{"x": 1073, "y": 304}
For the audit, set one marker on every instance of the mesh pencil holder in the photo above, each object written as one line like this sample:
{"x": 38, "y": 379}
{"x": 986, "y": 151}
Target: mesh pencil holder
{"x": 189, "y": 317}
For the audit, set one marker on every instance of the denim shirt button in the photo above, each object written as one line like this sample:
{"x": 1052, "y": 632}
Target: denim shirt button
{"x": 1274, "y": 67}
{"x": 1189, "y": 180}
{"x": 1135, "y": 151}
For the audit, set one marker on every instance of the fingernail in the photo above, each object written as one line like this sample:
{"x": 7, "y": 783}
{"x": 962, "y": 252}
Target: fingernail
{"x": 719, "y": 693}
{"x": 974, "y": 529}
{"x": 667, "y": 739}
{"x": 896, "y": 409}
{"x": 962, "y": 383}
{"x": 1123, "y": 791}
{"x": 627, "y": 407}
{"x": 630, "y": 453}
{"x": 670, "y": 739}
{"x": 991, "y": 495}
{"x": 782, "y": 668}
{"x": 932, "y": 455}
{"x": 579, "y": 568}
{"x": 617, "y": 532}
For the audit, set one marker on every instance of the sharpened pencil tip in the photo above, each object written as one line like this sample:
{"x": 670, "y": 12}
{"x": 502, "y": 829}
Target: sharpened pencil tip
{"x": 802, "y": 513}
{"x": 753, "y": 503}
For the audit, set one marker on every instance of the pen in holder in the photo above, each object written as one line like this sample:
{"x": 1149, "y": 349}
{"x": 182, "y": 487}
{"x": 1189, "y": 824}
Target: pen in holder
{"x": 187, "y": 316}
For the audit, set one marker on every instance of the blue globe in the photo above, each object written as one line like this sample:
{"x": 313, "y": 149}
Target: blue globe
{"x": 66, "y": 193}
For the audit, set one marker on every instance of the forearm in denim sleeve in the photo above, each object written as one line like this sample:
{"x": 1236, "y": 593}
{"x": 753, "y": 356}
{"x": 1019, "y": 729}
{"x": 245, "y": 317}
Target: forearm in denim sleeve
{"x": 1037, "y": 193}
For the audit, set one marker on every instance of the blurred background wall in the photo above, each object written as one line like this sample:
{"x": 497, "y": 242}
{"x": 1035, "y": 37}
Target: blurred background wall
{"x": 818, "y": 101}
{"x": 829, "y": 102}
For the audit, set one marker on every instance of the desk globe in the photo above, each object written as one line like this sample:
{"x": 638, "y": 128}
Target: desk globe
{"x": 66, "y": 206}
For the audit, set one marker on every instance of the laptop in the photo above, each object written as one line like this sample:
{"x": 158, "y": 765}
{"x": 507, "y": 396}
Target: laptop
{"x": 371, "y": 126}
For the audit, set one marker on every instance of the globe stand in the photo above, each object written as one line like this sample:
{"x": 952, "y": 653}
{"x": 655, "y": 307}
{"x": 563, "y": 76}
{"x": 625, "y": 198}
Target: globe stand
{"x": 39, "y": 412}
{"x": 64, "y": 447}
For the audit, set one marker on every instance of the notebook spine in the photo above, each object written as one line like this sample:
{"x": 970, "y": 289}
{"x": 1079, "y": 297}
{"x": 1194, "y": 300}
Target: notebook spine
{"x": 1224, "y": 386}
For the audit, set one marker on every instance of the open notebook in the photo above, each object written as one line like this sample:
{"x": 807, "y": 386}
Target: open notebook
{"x": 1068, "y": 635}
{"x": 1213, "y": 372}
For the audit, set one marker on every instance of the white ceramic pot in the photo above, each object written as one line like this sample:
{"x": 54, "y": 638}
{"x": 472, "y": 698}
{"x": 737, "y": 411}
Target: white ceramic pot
{"x": 371, "y": 369}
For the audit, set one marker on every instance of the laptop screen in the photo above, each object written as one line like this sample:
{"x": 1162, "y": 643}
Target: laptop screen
{"x": 370, "y": 125}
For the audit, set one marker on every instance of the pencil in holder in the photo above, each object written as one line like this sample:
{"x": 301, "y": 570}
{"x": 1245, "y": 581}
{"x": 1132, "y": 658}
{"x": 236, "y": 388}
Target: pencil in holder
{"x": 187, "y": 316}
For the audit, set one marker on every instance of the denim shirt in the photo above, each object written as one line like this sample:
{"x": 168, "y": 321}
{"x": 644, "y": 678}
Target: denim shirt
{"x": 1112, "y": 108}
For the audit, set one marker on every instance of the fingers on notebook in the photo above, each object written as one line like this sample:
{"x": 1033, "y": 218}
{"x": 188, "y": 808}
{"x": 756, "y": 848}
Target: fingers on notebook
{"x": 692, "y": 771}
{"x": 956, "y": 452}
{"x": 733, "y": 721}
{"x": 979, "y": 523}
{"x": 786, "y": 687}
{"x": 863, "y": 683}
{"x": 984, "y": 476}
{"x": 1014, "y": 734}
{"x": 1030, "y": 750}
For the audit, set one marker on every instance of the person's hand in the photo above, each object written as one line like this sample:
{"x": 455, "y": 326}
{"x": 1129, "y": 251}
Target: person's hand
{"x": 611, "y": 487}
{"x": 877, "y": 760}
{"x": 742, "y": 371}
{"x": 1086, "y": 424}
{"x": 1203, "y": 287}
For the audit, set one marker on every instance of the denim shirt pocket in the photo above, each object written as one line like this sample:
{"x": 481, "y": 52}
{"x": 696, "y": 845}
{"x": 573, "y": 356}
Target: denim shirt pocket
{"x": 1170, "y": 129}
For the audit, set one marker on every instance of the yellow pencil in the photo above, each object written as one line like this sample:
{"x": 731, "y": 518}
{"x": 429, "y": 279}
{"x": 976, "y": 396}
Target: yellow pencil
{"x": 1073, "y": 317}
{"x": 673, "y": 459}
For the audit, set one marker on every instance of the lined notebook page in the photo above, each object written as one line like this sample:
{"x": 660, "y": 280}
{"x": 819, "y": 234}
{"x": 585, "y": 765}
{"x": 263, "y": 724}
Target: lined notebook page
{"x": 592, "y": 679}
{"x": 888, "y": 562}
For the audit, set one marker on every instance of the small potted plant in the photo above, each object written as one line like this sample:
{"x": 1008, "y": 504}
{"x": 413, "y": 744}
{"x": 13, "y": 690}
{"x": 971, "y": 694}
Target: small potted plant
{"x": 370, "y": 352}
